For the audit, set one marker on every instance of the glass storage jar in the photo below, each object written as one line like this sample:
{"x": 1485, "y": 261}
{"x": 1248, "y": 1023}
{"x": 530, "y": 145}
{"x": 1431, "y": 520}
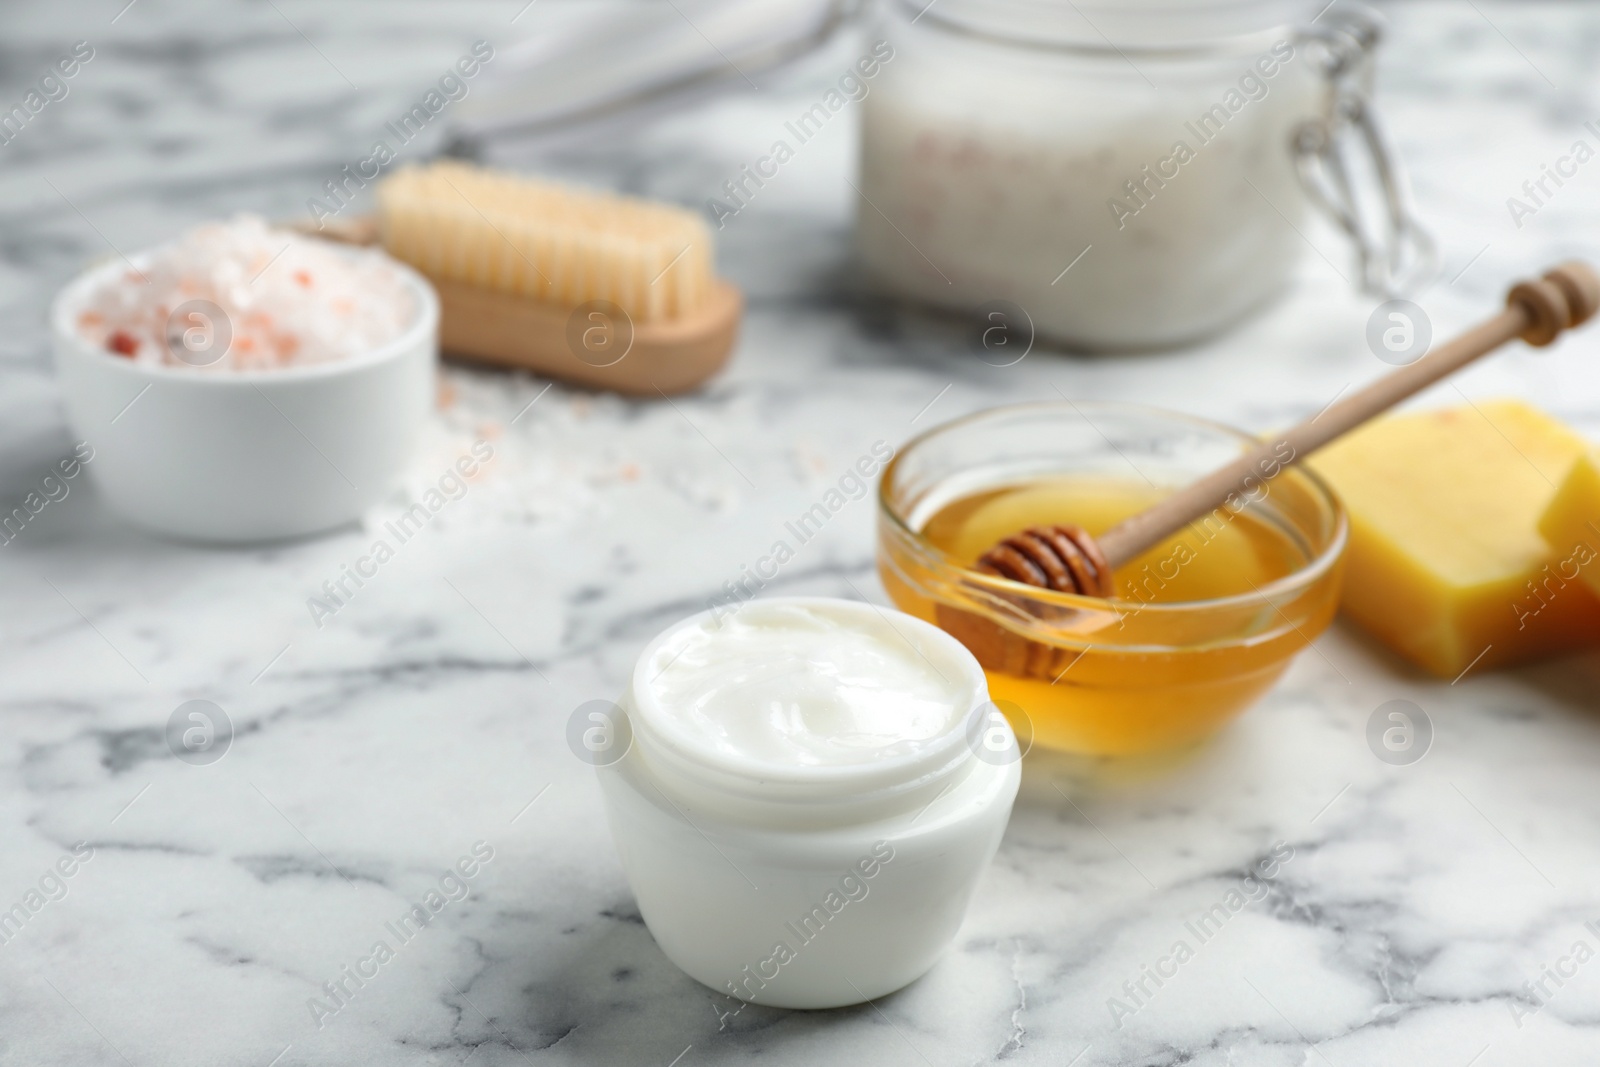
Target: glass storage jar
{"x": 1125, "y": 173}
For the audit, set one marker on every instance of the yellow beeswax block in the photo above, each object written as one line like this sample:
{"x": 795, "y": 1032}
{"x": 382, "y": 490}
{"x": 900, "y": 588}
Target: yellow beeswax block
{"x": 1571, "y": 524}
{"x": 1446, "y": 564}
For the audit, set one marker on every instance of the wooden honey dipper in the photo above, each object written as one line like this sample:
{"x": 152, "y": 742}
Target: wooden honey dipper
{"x": 1067, "y": 559}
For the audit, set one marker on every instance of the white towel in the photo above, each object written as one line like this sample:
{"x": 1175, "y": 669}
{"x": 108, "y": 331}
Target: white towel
{"x": 614, "y": 58}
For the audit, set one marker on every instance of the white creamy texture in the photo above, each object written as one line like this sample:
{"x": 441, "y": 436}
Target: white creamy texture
{"x": 987, "y": 170}
{"x": 807, "y": 685}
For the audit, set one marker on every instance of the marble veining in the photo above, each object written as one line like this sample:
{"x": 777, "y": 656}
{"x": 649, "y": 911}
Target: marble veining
{"x": 1417, "y": 906}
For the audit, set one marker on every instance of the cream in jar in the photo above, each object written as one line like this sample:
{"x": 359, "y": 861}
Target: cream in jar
{"x": 799, "y": 685}
{"x": 801, "y": 815}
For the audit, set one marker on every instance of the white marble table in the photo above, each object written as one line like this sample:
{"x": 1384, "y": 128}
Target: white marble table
{"x": 428, "y": 715}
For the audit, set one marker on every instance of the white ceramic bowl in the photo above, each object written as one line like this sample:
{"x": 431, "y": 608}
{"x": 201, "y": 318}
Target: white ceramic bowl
{"x": 211, "y": 454}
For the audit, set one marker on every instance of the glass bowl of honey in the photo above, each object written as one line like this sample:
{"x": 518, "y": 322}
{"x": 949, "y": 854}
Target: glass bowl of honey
{"x": 1199, "y": 627}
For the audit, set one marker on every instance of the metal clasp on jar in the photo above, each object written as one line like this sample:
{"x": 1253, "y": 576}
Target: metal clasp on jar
{"x": 1335, "y": 152}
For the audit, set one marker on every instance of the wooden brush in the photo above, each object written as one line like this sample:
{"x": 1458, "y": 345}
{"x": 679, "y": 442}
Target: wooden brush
{"x": 1067, "y": 559}
{"x": 592, "y": 288}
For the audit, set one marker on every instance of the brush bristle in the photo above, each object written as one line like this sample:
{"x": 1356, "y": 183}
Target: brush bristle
{"x": 545, "y": 241}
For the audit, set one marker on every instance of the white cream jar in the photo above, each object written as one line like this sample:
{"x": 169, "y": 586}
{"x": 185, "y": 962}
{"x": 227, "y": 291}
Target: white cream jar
{"x": 812, "y": 791}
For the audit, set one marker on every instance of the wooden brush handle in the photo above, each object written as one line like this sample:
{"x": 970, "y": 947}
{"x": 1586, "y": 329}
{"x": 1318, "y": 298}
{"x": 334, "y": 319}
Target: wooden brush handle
{"x": 1536, "y": 311}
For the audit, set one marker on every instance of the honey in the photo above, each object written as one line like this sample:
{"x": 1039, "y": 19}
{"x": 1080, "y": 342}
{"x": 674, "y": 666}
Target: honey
{"x": 1200, "y": 626}
{"x": 1244, "y": 553}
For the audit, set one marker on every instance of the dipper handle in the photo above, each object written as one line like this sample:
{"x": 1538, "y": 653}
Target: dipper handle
{"x": 1536, "y": 311}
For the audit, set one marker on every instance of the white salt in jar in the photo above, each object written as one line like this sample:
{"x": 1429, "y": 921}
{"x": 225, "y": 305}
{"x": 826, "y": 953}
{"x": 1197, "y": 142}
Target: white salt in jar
{"x": 812, "y": 792}
{"x": 1127, "y": 173}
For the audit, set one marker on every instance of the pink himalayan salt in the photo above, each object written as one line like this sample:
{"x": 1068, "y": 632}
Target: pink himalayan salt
{"x": 288, "y": 300}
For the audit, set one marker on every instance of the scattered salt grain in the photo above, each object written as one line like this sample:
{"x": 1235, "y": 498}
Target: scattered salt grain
{"x": 285, "y": 300}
